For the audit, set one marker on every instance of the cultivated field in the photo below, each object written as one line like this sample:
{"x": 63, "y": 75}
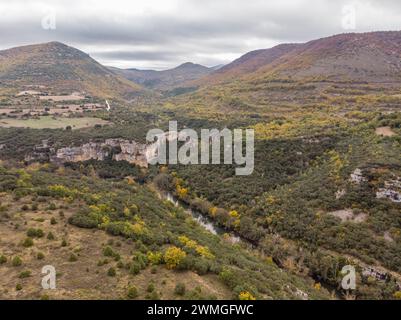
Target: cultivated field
{"x": 49, "y": 122}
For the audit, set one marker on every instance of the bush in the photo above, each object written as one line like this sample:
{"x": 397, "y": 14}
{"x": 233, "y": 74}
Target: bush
{"x": 245, "y": 295}
{"x": 108, "y": 252}
{"x": 153, "y": 296}
{"x": 179, "y": 289}
{"x": 102, "y": 262}
{"x": 173, "y": 257}
{"x": 132, "y": 292}
{"x": 53, "y": 221}
{"x": 50, "y": 236}
{"x": 40, "y": 256}
{"x": 111, "y": 272}
{"x": 72, "y": 258}
{"x": 83, "y": 221}
{"x": 135, "y": 268}
{"x": 16, "y": 262}
{"x": 28, "y": 242}
{"x": 155, "y": 258}
{"x": 201, "y": 266}
{"x": 164, "y": 181}
{"x": 141, "y": 259}
{"x": 35, "y": 233}
{"x": 3, "y": 259}
{"x": 151, "y": 287}
{"x": 18, "y": 287}
{"x": 25, "y": 274}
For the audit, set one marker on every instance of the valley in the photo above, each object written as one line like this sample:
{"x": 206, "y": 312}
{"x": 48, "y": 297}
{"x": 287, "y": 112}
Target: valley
{"x": 325, "y": 191}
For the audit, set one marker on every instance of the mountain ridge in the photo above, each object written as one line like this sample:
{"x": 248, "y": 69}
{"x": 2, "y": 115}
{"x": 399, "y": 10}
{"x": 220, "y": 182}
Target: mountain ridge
{"x": 373, "y": 56}
{"x": 62, "y": 68}
{"x": 165, "y": 79}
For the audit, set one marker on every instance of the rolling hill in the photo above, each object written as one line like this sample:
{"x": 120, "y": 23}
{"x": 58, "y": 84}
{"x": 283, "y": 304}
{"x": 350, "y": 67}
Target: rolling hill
{"x": 248, "y": 63}
{"x": 373, "y": 56}
{"x": 366, "y": 57}
{"x": 63, "y": 69}
{"x": 166, "y": 79}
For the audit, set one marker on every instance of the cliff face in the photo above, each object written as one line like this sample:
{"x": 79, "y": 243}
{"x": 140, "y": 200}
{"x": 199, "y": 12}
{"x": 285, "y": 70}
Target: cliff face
{"x": 117, "y": 149}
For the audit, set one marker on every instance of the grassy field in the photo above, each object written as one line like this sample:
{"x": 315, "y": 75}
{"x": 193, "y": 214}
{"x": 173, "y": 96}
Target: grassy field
{"x": 50, "y": 122}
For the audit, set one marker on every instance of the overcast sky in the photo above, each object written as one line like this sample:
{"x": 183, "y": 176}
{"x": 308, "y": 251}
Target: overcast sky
{"x": 164, "y": 33}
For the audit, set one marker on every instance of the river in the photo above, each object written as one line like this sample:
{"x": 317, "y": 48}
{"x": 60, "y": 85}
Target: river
{"x": 203, "y": 220}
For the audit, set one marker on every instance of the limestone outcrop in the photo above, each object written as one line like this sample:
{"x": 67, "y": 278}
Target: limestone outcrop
{"x": 116, "y": 149}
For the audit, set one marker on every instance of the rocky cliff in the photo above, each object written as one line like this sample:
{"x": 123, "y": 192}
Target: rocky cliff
{"x": 116, "y": 149}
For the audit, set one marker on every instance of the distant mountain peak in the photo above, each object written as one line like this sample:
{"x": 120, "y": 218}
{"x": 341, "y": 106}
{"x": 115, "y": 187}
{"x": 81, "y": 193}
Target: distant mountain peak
{"x": 186, "y": 64}
{"x": 189, "y": 65}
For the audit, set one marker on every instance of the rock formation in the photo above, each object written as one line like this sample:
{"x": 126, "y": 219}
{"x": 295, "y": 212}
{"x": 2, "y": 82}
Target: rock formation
{"x": 116, "y": 149}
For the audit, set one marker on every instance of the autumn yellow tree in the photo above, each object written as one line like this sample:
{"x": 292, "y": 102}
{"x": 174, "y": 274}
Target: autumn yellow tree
{"x": 245, "y": 295}
{"x": 181, "y": 192}
{"x": 173, "y": 256}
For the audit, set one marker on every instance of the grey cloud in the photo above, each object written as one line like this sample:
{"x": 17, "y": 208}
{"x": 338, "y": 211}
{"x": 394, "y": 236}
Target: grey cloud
{"x": 168, "y": 32}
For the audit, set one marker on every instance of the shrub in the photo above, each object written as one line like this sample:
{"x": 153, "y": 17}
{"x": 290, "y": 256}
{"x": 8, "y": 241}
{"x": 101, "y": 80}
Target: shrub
{"x": 35, "y": 233}
{"x": 245, "y": 295}
{"x": 40, "y": 256}
{"x": 155, "y": 258}
{"x": 151, "y": 287}
{"x": 111, "y": 272}
{"x": 132, "y": 292}
{"x": 173, "y": 257}
{"x": 18, "y": 287}
{"x": 3, "y": 259}
{"x": 50, "y": 236}
{"x": 141, "y": 259}
{"x": 83, "y": 221}
{"x": 201, "y": 266}
{"x": 72, "y": 258}
{"x": 179, "y": 289}
{"x": 153, "y": 296}
{"x": 28, "y": 242}
{"x": 16, "y": 262}
{"x": 135, "y": 268}
{"x": 25, "y": 274}
{"x": 108, "y": 252}
{"x": 102, "y": 262}
{"x": 53, "y": 221}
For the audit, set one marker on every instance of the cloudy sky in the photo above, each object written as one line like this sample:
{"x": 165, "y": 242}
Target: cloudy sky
{"x": 164, "y": 33}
